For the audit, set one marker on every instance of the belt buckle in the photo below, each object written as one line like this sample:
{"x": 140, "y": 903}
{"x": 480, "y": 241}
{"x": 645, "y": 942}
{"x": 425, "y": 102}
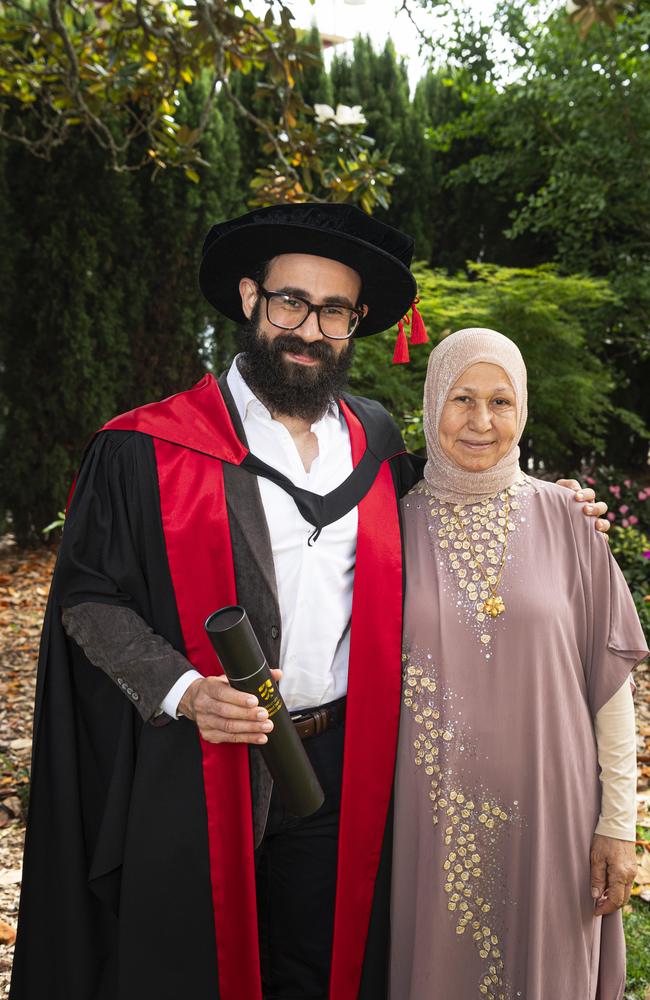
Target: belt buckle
{"x": 309, "y": 723}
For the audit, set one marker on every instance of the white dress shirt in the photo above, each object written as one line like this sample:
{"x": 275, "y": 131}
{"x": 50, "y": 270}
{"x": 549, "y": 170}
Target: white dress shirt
{"x": 314, "y": 582}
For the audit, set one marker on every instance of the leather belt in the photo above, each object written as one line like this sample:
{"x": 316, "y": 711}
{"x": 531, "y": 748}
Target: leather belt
{"x": 314, "y": 721}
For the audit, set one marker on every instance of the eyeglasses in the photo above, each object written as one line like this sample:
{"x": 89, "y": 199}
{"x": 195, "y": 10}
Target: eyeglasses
{"x": 288, "y": 312}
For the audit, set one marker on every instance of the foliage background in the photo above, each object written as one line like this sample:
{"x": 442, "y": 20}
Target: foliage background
{"x": 524, "y": 179}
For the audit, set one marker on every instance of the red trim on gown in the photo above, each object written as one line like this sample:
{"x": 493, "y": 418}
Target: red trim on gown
{"x": 372, "y": 716}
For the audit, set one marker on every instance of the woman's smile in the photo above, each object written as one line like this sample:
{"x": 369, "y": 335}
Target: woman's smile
{"x": 476, "y": 444}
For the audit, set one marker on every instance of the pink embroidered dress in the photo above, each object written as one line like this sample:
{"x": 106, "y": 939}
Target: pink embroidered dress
{"x": 497, "y": 787}
{"x": 497, "y": 790}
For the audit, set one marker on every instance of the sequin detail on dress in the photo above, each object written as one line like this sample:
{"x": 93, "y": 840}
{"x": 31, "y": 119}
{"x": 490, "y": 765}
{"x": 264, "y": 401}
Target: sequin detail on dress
{"x": 470, "y": 822}
{"x": 473, "y": 535}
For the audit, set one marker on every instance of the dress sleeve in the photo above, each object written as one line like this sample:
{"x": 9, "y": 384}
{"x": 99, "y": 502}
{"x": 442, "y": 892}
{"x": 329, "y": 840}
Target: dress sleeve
{"x": 615, "y": 639}
{"x": 616, "y": 741}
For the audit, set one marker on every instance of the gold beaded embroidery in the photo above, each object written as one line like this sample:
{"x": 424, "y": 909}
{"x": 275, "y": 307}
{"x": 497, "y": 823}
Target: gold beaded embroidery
{"x": 470, "y": 823}
{"x": 472, "y": 540}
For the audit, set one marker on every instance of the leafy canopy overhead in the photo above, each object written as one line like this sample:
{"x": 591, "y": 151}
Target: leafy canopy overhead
{"x": 117, "y": 68}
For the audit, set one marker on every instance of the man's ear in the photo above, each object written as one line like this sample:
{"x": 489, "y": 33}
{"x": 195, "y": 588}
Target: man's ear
{"x": 249, "y": 295}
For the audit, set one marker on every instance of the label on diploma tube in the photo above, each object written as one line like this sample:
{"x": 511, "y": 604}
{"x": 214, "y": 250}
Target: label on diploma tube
{"x": 269, "y": 697}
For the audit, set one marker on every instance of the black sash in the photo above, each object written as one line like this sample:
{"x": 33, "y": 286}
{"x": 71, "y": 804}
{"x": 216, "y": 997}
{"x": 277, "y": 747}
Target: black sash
{"x": 322, "y": 510}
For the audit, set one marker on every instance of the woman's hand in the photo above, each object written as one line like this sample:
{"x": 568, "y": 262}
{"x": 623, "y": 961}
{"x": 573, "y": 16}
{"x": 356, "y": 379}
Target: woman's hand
{"x": 613, "y": 867}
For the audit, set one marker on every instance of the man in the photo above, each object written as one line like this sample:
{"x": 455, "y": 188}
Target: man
{"x": 163, "y": 865}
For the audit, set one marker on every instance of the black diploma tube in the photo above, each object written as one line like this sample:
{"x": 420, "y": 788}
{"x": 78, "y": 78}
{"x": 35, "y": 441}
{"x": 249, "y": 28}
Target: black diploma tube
{"x": 245, "y": 666}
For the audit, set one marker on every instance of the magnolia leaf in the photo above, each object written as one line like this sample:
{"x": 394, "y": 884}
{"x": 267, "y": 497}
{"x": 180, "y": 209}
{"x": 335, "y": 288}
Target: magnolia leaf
{"x": 367, "y": 202}
{"x": 289, "y": 75}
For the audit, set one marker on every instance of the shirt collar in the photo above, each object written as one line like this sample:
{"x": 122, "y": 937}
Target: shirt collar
{"x": 244, "y": 396}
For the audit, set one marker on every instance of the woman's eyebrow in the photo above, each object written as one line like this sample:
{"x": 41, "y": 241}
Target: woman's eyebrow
{"x": 471, "y": 389}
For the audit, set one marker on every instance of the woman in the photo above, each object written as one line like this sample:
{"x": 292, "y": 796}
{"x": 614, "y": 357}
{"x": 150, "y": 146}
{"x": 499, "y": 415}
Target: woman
{"x": 520, "y": 635}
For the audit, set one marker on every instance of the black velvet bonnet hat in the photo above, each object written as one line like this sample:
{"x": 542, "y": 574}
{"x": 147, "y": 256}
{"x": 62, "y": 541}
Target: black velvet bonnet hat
{"x": 379, "y": 253}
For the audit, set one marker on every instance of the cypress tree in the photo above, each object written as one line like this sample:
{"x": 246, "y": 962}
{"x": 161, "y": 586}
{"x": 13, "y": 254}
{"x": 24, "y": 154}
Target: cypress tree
{"x": 315, "y": 84}
{"x": 172, "y": 339}
{"x": 105, "y": 311}
{"x": 66, "y": 322}
{"x": 378, "y": 81}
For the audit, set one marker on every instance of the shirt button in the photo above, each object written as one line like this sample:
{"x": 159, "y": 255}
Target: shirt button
{"x": 275, "y": 631}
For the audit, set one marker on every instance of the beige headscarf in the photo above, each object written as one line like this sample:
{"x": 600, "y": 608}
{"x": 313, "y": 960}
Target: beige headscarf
{"x": 447, "y": 362}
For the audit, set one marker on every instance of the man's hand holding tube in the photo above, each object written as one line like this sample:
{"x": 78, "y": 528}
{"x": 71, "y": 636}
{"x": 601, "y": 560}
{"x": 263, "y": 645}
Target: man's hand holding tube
{"x": 225, "y": 715}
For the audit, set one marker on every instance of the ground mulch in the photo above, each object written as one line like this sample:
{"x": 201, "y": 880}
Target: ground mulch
{"x": 24, "y": 584}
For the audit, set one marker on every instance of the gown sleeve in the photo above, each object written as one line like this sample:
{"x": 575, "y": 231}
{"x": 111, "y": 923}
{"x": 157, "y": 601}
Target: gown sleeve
{"x": 615, "y": 639}
{"x": 105, "y": 569}
{"x": 101, "y": 557}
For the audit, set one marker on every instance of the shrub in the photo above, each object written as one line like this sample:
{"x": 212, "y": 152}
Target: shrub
{"x": 631, "y": 549}
{"x": 629, "y": 503}
{"x": 552, "y": 317}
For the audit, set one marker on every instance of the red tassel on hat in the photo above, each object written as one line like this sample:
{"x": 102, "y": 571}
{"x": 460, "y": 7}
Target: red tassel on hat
{"x": 418, "y": 329}
{"x": 401, "y": 353}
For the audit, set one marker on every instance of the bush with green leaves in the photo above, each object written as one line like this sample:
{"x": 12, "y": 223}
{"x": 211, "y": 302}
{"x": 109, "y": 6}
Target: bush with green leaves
{"x": 629, "y": 502}
{"x": 549, "y": 315}
{"x": 631, "y": 549}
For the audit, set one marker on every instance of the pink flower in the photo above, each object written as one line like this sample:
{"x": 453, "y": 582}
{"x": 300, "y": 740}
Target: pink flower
{"x": 612, "y": 517}
{"x": 646, "y": 554}
{"x": 641, "y": 495}
{"x": 633, "y": 519}
{"x": 590, "y": 480}
{"x": 623, "y": 509}
{"x": 627, "y": 482}
{"x": 625, "y": 523}
{"x": 615, "y": 491}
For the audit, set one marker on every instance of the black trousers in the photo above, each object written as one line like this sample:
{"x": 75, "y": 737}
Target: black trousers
{"x": 296, "y": 884}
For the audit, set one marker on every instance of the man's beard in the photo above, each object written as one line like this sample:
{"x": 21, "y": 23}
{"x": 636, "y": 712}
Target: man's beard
{"x": 288, "y": 388}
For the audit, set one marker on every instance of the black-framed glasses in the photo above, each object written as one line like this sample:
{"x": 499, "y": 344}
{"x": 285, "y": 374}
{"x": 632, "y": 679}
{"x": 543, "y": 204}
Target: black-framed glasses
{"x": 288, "y": 312}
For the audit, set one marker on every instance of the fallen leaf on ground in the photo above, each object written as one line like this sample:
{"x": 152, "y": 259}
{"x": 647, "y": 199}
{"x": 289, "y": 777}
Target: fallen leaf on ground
{"x": 7, "y": 933}
{"x": 641, "y": 885}
{"x": 11, "y": 878}
{"x": 23, "y": 744}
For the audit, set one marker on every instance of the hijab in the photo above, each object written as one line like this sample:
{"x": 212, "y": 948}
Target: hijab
{"x": 447, "y": 362}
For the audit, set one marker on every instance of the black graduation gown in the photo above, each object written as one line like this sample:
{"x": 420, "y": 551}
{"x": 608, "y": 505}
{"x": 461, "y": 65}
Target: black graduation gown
{"x": 116, "y": 900}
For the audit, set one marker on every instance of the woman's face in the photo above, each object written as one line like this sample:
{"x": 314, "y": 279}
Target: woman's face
{"x": 479, "y": 419}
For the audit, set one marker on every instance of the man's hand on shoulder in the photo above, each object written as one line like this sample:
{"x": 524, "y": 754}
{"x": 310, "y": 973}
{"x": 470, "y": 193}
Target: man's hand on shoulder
{"x": 591, "y": 507}
{"x": 225, "y": 715}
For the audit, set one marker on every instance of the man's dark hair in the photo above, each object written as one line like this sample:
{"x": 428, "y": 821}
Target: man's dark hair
{"x": 260, "y": 272}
